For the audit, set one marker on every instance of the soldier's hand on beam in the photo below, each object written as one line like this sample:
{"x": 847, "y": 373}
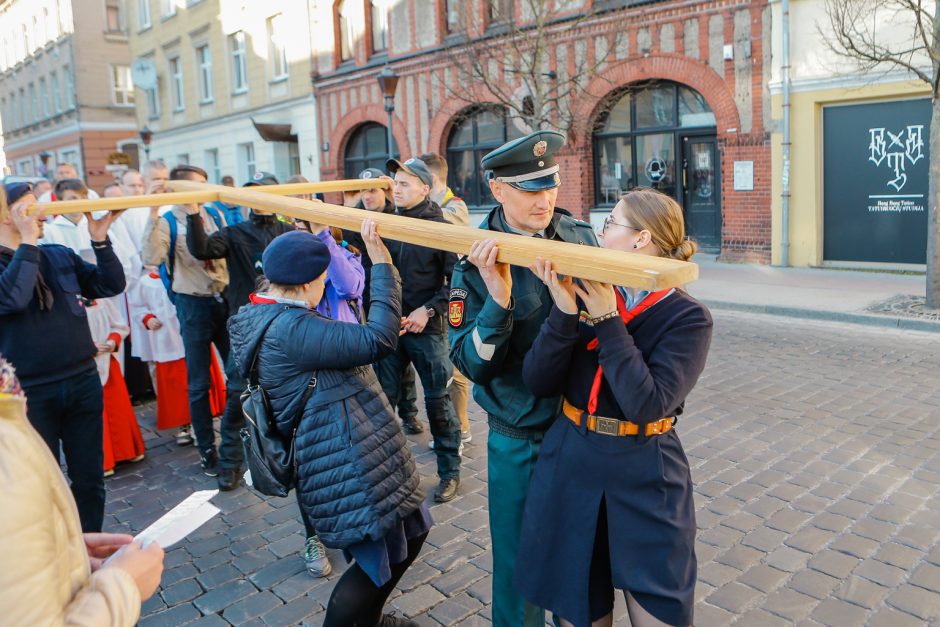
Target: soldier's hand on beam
{"x": 562, "y": 290}
{"x": 495, "y": 275}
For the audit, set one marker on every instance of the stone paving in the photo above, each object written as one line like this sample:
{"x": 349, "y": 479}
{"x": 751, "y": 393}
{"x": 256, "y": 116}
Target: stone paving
{"x": 815, "y": 452}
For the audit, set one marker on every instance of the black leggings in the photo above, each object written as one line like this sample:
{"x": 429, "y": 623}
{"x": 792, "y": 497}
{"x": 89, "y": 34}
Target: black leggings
{"x": 356, "y": 601}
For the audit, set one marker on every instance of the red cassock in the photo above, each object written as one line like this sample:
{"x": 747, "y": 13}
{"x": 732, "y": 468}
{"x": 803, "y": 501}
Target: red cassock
{"x": 122, "y": 439}
{"x": 173, "y": 393}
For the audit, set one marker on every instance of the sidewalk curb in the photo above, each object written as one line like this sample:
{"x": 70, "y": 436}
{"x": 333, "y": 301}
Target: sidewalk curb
{"x": 872, "y": 320}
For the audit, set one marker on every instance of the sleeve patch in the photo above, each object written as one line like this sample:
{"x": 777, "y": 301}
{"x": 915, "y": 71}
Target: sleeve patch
{"x": 456, "y": 306}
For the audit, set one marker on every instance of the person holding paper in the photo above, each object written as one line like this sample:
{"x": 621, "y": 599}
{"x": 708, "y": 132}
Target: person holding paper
{"x": 51, "y": 573}
{"x": 356, "y": 477}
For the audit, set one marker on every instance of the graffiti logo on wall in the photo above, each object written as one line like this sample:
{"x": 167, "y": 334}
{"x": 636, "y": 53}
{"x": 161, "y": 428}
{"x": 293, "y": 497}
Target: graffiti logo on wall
{"x": 896, "y": 151}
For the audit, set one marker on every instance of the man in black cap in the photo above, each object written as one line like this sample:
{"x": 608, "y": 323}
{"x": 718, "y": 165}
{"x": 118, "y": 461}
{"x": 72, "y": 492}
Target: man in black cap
{"x": 241, "y": 246}
{"x": 44, "y": 333}
{"x": 425, "y": 275}
{"x": 495, "y": 313}
{"x": 197, "y": 290}
{"x": 371, "y": 199}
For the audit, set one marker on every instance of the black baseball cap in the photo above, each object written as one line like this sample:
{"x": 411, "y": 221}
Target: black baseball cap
{"x": 261, "y": 178}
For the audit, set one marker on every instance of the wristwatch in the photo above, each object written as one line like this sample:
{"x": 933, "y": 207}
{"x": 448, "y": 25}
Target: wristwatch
{"x": 431, "y": 311}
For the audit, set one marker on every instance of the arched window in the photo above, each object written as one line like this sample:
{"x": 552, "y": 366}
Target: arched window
{"x": 477, "y": 132}
{"x": 367, "y": 148}
{"x": 637, "y": 139}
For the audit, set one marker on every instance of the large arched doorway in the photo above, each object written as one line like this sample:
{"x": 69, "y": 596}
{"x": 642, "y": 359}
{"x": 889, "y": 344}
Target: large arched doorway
{"x": 661, "y": 134}
{"x": 367, "y": 148}
{"x": 476, "y": 132}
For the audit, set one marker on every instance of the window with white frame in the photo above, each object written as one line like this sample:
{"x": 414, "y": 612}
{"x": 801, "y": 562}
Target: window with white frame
{"x": 167, "y": 8}
{"x": 239, "y": 66}
{"x": 143, "y": 14}
{"x": 182, "y": 159}
{"x": 379, "y": 10}
{"x": 114, "y": 16}
{"x": 69, "y": 88}
{"x": 10, "y": 115}
{"x": 71, "y": 156}
{"x": 346, "y": 41}
{"x": 176, "y": 80}
{"x": 153, "y": 102}
{"x": 56, "y": 96}
{"x": 278, "y": 46}
{"x": 122, "y": 88}
{"x": 211, "y": 161}
{"x": 33, "y": 102}
{"x": 44, "y": 98}
{"x": 246, "y": 155}
{"x": 204, "y": 70}
{"x": 24, "y": 167}
{"x": 23, "y": 119}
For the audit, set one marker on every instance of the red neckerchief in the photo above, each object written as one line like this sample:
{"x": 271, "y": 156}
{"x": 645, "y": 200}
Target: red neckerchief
{"x": 256, "y": 299}
{"x": 650, "y": 300}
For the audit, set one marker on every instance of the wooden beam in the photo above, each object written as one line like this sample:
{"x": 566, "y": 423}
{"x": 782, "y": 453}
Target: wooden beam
{"x": 587, "y": 262}
{"x": 198, "y": 196}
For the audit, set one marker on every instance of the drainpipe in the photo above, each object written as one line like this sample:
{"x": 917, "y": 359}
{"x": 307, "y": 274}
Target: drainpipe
{"x": 785, "y": 177}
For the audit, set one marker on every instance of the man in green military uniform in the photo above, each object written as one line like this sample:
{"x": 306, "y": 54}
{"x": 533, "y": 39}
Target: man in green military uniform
{"x": 495, "y": 313}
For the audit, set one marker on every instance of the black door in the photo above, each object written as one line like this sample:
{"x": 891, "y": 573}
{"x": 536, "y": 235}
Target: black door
{"x": 701, "y": 190}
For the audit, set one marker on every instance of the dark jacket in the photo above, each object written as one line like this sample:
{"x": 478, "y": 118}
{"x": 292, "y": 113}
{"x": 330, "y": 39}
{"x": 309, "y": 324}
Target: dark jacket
{"x": 650, "y": 365}
{"x": 242, "y": 245}
{"x": 356, "y": 475}
{"x": 355, "y": 238}
{"x": 488, "y": 343}
{"x": 52, "y": 344}
{"x": 425, "y": 272}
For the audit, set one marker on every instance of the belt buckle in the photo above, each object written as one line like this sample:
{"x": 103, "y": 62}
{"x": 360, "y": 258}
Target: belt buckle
{"x": 607, "y": 426}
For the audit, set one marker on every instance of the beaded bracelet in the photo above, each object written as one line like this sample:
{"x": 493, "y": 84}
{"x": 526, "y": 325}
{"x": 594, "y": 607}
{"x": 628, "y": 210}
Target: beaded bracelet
{"x": 610, "y": 315}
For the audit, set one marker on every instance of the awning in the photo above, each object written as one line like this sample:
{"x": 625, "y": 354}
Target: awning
{"x": 274, "y": 132}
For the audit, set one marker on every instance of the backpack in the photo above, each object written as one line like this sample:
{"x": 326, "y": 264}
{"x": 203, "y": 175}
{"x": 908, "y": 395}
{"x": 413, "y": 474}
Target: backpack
{"x": 166, "y": 268}
{"x": 269, "y": 458}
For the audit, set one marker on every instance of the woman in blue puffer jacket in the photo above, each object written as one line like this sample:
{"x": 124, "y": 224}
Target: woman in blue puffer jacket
{"x": 356, "y": 478}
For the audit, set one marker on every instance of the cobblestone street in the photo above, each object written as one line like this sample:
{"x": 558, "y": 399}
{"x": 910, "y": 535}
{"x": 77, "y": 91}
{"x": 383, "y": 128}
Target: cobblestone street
{"x": 815, "y": 453}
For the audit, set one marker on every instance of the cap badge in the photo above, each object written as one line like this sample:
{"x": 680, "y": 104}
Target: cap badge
{"x": 257, "y": 176}
{"x": 367, "y": 175}
{"x": 541, "y": 164}
{"x": 410, "y": 161}
{"x": 539, "y": 148}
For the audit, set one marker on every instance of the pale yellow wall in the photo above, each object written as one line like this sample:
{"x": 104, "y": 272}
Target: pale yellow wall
{"x": 806, "y": 167}
{"x": 213, "y": 21}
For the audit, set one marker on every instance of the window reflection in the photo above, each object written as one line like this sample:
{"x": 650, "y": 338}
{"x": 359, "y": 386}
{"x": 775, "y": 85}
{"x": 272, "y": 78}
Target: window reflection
{"x": 477, "y": 132}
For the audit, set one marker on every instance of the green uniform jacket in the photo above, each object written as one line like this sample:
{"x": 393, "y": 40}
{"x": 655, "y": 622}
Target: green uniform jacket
{"x": 488, "y": 343}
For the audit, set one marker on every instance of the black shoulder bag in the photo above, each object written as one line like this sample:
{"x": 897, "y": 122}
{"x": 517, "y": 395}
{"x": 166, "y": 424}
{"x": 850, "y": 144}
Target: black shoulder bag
{"x": 269, "y": 458}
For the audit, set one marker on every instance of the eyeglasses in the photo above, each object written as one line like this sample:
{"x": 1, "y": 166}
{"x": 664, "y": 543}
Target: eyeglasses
{"x": 609, "y": 220}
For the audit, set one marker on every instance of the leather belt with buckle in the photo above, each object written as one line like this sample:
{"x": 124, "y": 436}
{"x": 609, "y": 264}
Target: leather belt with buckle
{"x": 613, "y": 426}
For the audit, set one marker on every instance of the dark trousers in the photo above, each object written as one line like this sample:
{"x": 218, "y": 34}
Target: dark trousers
{"x": 71, "y": 412}
{"x": 408, "y": 399}
{"x": 429, "y": 354}
{"x": 231, "y": 451}
{"x": 202, "y": 324}
{"x": 136, "y": 375}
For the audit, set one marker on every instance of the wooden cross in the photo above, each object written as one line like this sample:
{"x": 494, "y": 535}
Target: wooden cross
{"x": 586, "y": 262}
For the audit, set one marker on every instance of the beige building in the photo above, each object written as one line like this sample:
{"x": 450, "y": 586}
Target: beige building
{"x": 232, "y": 85}
{"x": 859, "y": 150}
{"x": 65, "y": 87}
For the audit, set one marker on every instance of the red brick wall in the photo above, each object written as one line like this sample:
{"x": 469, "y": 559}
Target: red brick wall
{"x": 422, "y": 120}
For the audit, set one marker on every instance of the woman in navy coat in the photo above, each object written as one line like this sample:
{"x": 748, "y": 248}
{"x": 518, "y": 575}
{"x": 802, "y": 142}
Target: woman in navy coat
{"x": 610, "y": 506}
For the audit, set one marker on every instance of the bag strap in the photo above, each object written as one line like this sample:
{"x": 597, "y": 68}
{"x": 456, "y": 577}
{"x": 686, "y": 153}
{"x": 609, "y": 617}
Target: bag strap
{"x": 213, "y": 212}
{"x": 171, "y": 254}
{"x": 253, "y": 369}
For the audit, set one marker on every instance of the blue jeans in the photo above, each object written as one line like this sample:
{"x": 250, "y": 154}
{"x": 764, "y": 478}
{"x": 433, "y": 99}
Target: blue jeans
{"x": 431, "y": 358}
{"x": 71, "y": 412}
{"x": 202, "y": 324}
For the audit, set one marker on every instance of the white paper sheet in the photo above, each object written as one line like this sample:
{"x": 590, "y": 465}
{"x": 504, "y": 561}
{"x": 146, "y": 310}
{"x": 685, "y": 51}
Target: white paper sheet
{"x": 182, "y": 520}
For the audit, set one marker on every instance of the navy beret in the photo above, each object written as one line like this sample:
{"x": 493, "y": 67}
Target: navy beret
{"x": 15, "y": 191}
{"x": 295, "y": 258}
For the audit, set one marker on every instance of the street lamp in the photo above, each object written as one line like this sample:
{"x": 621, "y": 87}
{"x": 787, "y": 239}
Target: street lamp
{"x": 388, "y": 83}
{"x": 145, "y": 136}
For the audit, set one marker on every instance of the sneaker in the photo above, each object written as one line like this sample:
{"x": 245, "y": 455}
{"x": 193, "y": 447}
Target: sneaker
{"x": 466, "y": 436}
{"x": 109, "y": 472}
{"x": 314, "y": 554}
{"x": 210, "y": 463}
{"x": 411, "y": 426}
{"x": 184, "y": 436}
{"x": 228, "y": 478}
{"x": 446, "y": 490}
{"x": 390, "y": 620}
{"x": 138, "y": 458}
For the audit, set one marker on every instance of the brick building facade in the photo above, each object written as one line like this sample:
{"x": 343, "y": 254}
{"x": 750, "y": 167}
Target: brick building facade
{"x": 719, "y": 50}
